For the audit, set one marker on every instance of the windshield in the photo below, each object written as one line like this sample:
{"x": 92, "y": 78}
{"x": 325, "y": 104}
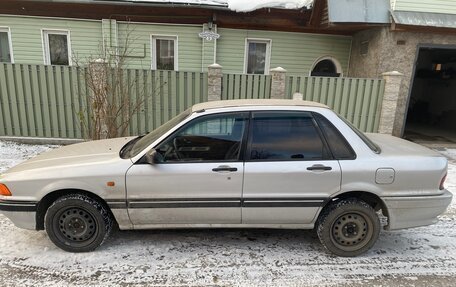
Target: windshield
{"x": 149, "y": 138}
{"x": 375, "y": 148}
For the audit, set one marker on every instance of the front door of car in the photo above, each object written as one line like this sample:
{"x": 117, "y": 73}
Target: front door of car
{"x": 289, "y": 170}
{"x": 197, "y": 177}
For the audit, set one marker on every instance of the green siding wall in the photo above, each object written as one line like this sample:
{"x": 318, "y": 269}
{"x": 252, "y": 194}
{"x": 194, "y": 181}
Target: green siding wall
{"x": 85, "y": 37}
{"x": 433, "y": 6}
{"x": 295, "y": 52}
{"x": 189, "y": 44}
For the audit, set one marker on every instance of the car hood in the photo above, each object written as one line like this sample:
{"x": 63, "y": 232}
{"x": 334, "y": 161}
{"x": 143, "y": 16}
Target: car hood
{"x": 394, "y": 146}
{"x": 76, "y": 154}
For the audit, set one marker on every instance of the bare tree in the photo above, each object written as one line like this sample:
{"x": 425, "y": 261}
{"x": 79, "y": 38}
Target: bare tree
{"x": 110, "y": 106}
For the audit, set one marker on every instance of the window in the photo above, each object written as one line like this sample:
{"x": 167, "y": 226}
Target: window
{"x": 164, "y": 53}
{"x": 373, "y": 146}
{"x": 257, "y": 56}
{"x": 6, "y": 50}
{"x": 140, "y": 143}
{"x": 326, "y": 67}
{"x": 286, "y": 136}
{"x": 57, "y": 48}
{"x": 337, "y": 143}
{"x": 364, "y": 48}
{"x": 209, "y": 138}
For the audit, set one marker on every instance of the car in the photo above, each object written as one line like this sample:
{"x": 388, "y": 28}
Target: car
{"x": 232, "y": 164}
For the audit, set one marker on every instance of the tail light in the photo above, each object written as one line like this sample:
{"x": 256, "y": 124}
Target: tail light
{"x": 442, "y": 182}
{"x": 4, "y": 190}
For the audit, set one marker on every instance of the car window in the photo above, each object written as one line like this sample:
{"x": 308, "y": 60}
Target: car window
{"x": 208, "y": 138}
{"x": 285, "y": 136}
{"x": 375, "y": 148}
{"x": 336, "y": 141}
{"x": 149, "y": 138}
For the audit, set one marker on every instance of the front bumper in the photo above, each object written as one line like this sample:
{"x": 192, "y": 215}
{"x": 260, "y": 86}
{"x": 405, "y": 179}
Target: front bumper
{"x": 413, "y": 211}
{"x": 21, "y": 213}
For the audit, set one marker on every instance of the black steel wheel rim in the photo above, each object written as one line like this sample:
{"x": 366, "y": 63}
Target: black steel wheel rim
{"x": 75, "y": 226}
{"x": 351, "y": 231}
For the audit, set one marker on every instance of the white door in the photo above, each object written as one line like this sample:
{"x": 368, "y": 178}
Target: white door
{"x": 198, "y": 177}
{"x": 289, "y": 170}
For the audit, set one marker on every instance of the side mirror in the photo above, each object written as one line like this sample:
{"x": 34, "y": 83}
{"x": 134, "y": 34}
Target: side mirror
{"x": 151, "y": 157}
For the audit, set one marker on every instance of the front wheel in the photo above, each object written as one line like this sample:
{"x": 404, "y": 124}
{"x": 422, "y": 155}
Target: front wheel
{"x": 78, "y": 223}
{"x": 348, "y": 227}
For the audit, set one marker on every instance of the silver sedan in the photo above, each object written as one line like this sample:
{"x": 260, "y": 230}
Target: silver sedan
{"x": 232, "y": 164}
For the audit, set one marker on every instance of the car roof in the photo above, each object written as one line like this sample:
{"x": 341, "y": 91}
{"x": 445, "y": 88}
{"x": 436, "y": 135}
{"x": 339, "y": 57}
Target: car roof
{"x": 254, "y": 102}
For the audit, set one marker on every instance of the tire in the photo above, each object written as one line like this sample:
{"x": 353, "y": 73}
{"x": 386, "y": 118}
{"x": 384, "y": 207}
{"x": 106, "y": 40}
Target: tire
{"x": 348, "y": 227}
{"x": 78, "y": 223}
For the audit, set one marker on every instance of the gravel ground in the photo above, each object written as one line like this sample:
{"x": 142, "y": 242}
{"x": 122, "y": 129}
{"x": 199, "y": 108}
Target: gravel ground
{"x": 424, "y": 256}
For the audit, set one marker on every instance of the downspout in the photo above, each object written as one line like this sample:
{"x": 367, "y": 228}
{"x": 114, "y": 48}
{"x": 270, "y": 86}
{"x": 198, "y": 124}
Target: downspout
{"x": 202, "y": 52}
{"x": 349, "y": 58}
{"x": 215, "y": 45}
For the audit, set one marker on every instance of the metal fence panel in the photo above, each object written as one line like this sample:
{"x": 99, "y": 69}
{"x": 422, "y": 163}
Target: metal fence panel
{"x": 238, "y": 86}
{"x": 51, "y": 101}
{"x": 358, "y": 100}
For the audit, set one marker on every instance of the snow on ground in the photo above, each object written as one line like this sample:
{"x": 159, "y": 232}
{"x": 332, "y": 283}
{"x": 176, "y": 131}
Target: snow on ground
{"x": 424, "y": 256}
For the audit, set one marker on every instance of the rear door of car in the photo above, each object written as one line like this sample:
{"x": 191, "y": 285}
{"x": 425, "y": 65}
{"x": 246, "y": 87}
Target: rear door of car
{"x": 289, "y": 171}
{"x": 198, "y": 179}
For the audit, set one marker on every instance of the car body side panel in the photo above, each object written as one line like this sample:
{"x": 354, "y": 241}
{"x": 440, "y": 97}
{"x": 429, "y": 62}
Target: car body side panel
{"x": 33, "y": 185}
{"x": 405, "y": 212}
{"x": 184, "y": 193}
{"x": 286, "y": 192}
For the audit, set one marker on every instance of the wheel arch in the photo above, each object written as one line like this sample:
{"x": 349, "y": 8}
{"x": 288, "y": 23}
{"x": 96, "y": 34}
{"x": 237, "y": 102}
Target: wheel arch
{"x": 49, "y": 198}
{"x": 370, "y": 198}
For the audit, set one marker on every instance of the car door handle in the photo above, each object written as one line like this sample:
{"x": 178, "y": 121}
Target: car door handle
{"x": 224, "y": 168}
{"x": 319, "y": 167}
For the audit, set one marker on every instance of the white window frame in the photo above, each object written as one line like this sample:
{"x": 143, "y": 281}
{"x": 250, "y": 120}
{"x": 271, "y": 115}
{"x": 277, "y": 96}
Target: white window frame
{"x": 331, "y": 58}
{"x": 268, "y": 43}
{"x": 45, "y": 42}
{"x": 10, "y": 42}
{"x": 153, "y": 48}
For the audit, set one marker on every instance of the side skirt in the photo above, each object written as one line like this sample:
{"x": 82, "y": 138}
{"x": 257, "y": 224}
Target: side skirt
{"x": 209, "y": 226}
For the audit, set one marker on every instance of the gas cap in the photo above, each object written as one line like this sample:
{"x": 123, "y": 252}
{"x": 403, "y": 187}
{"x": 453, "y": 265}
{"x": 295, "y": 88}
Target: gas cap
{"x": 384, "y": 176}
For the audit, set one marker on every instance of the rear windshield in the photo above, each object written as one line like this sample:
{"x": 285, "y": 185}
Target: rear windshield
{"x": 375, "y": 148}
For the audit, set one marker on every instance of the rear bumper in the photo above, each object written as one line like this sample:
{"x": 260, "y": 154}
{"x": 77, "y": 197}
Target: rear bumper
{"x": 413, "y": 211}
{"x": 21, "y": 213}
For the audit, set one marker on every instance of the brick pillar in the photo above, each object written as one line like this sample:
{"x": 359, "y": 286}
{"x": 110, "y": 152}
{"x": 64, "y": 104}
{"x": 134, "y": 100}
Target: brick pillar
{"x": 278, "y": 83}
{"x": 393, "y": 82}
{"x": 298, "y": 96}
{"x": 214, "y": 82}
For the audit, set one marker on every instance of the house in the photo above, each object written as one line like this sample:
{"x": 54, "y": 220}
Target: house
{"x": 419, "y": 40}
{"x": 57, "y": 32}
{"x": 326, "y": 38}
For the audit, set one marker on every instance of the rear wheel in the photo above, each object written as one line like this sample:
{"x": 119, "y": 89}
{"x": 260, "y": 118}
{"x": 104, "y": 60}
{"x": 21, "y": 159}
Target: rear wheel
{"x": 348, "y": 227}
{"x": 78, "y": 223}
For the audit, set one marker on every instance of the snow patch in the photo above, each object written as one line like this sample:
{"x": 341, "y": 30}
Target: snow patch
{"x": 251, "y": 5}
{"x": 238, "y": 5}
{"x": 12, "y": 154}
